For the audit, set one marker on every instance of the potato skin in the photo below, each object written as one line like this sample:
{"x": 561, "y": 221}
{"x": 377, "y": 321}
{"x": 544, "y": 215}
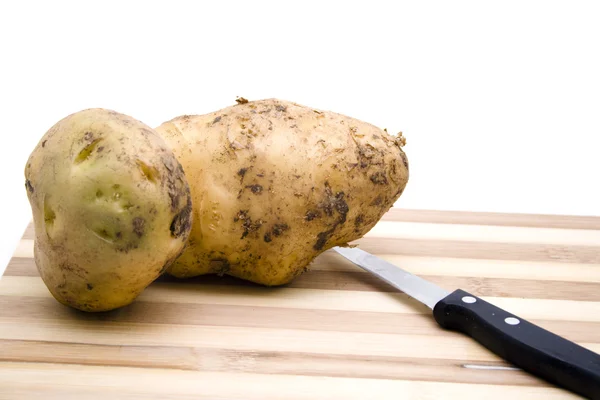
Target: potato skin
{"x": 111, "y": 208}
{"x": 275, "y": 183}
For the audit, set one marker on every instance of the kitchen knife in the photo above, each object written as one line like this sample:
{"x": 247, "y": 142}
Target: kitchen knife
{"x": 516, "y": 340}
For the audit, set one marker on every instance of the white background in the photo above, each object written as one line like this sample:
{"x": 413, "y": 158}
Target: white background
{"x": 499, "y": 101}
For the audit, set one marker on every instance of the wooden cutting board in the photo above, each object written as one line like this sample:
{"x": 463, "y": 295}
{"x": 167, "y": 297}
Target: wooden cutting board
{"x": 336, "y": 332}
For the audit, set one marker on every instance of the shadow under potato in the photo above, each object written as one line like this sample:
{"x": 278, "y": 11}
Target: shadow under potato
{"x": 312, "y": 279}
{"x": 208, "y": 279}
{"x": 166, "y": 311}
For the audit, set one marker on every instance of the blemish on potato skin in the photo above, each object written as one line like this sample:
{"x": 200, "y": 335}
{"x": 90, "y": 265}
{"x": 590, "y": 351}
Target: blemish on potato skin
{"x": 87, "y": 151}
{"x": 242, "y": 214}
{"x": 146, "y": 133}
{"x": 312, "y": 214}
{"x": 278, "y": 229}
{"x": 217, "y": 119}
{"x": 44, "y": 143}
{"x": 89, "y": 286}
{"x": 248, "y": 225}
{"x": 126, "y": 247}
{"x": 393, "y": 172}
{"x": 182, "y": 222}
{"x": 29, "y": 186}
{"x": 359, "y": 220}
{"x": 242, "y": 172}
{"x": 88, "y": 136}
{"x": 334, "y": 202}
{"x": 138, "y": 226}
{"x": 256, "y": 189}
{"x": 329, "y": 205}
{"x": 235, "y": 145}
{"x": 404, "y": 159}
{"x": 175, "y": 189}
{"x": 220, "y": 266}
{"x": 74, "y": 269}
{"x": 378, "y": 200}
{"x": 379, "y": 178}
{"x": 341, "y": 206}
{"x": 322, "y": 238}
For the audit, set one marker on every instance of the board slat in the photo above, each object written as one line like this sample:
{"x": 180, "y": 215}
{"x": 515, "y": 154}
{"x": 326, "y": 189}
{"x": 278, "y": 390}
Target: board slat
{"x": 149, "y": 383}
{"x": 266, "y": 362}
{"x": 494, "y": 218}
{"x": 334, "y": 332}
{"x": 27, "y": 309}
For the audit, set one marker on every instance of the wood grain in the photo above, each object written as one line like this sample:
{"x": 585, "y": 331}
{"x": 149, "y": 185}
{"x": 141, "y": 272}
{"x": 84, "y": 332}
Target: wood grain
{"x": 334, "y": 332}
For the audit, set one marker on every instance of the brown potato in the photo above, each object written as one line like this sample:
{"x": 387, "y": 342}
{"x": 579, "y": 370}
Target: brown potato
{"x": 274, "y": 184}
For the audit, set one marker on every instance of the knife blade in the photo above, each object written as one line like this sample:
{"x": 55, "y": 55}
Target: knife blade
{"x": 520, "y": 342}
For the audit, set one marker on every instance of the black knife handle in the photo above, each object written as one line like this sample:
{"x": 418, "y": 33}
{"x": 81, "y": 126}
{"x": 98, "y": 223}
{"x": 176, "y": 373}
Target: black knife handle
{"x": 522, "y": 343}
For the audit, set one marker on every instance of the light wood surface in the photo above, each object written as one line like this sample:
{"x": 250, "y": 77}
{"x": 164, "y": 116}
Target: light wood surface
{"x": 336, "y": 332}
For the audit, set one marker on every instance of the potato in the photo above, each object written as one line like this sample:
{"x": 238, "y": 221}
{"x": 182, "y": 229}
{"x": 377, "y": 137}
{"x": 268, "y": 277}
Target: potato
{"x": 111, "y": 208}
{"x": 275, "y": 183}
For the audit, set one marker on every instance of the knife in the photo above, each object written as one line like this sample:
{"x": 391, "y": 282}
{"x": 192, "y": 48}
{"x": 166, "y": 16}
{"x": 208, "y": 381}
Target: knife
{"x": 528, "y": 346}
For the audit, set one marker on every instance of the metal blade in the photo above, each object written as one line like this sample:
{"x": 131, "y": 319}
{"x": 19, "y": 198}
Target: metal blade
{"x": 417, "y": 288}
